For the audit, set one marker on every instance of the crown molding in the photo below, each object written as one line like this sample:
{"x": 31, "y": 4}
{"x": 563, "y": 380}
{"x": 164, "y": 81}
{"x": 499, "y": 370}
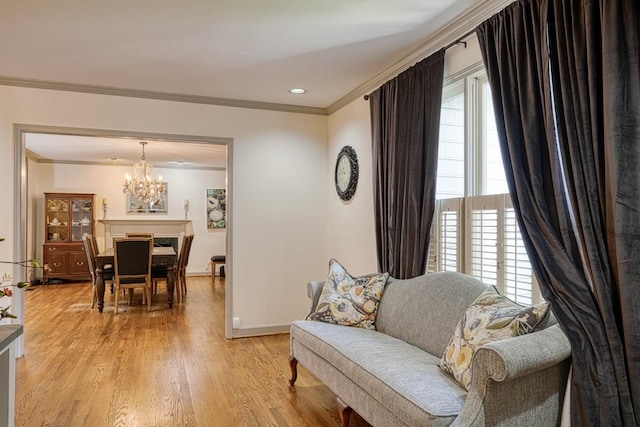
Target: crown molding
{"x": 450, "y": 33}
{"x": 30, "y": 155}
{"x": 109, "y": 133}
{"x": 163, "y": 96}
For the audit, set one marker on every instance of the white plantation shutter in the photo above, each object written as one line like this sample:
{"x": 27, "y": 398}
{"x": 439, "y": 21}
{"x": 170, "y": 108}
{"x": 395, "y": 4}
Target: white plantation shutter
{"x": 497, "y": 255}
{"x": 445, "y": 253}
{"x": 518, "y": 276}
{"x": 451, "y": 232}
{"x": 485, "y": 235}
{"x": 432, "y": 260}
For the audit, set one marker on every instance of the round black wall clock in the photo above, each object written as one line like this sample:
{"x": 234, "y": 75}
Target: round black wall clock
{"x": 346, "y": 174}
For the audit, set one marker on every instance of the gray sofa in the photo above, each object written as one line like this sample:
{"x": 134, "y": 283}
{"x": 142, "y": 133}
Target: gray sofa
{"x": 390, "y": 376}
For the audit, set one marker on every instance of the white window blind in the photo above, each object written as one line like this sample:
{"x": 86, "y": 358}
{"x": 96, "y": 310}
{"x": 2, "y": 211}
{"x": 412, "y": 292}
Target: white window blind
{"x": 497, "y": 253}
{"x": 518, "y": 276}
{"x": 432, "y": 260}
{"x": 451, "y": 228}
{"x": 485, "y": 236}
{"x": 446, "y": 234}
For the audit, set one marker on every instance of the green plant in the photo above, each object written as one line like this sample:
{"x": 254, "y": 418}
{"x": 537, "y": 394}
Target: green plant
{"x": 6, "y": 282}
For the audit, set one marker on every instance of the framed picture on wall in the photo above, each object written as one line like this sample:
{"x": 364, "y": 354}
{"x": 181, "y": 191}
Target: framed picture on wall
{"x": 135, "y": 206}
{"x": 216, "y": 208}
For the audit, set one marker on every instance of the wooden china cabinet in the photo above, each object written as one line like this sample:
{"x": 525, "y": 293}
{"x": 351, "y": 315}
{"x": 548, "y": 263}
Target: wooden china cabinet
{"x": 68, "y": 216}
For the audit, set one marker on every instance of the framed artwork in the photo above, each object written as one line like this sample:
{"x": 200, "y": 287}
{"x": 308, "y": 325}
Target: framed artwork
{"x": 216, "y": 208}
{"x": 135, "y": 206}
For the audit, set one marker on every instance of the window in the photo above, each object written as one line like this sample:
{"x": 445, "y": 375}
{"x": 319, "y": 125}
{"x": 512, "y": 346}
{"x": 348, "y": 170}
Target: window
{"x": 475, "y": 229}
{"x": 494, "y": 181}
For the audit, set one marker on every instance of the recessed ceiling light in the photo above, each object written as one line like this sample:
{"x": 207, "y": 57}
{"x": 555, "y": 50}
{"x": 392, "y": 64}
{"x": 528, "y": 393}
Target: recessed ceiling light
{"x": 297, "y": 90}
{"x": 180, "y": 162}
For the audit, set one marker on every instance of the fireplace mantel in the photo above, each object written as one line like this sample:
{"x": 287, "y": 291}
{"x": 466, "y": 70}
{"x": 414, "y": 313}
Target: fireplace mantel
{"x": 159, "y": 227}
{"x": 127, "y": 221}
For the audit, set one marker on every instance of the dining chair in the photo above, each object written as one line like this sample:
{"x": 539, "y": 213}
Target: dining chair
{"x": 132, "y": 262}
{"x": 145, "y": 235}
{"x": 180, "y": 273}
{"x": 182, "y": 266}
{"x": 159, "y": 273}
{"x": 91, "y": 261}
{"x": 94, "y": 243}
{"x": 108, "y": 269}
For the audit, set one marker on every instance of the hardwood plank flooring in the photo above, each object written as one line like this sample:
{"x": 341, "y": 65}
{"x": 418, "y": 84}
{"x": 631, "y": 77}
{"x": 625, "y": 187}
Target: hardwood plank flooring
{"x": 164, "y": 367}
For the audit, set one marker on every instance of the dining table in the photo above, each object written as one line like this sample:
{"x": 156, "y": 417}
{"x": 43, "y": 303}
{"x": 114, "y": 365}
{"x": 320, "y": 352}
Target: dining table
{"x": 162, "y": 256}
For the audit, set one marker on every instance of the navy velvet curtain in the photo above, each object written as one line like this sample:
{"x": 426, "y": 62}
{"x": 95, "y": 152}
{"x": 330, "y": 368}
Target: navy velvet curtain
{"x": 565, "y": 81}
{"x": 405, "y": 124}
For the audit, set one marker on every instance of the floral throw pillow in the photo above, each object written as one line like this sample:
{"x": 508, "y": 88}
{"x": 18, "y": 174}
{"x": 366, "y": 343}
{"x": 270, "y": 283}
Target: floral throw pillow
{"x": 491, "y": 317}
{"x": 349, "y": 301}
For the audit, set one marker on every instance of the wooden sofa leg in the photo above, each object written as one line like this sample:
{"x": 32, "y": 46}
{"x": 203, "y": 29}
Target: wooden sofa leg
{"x": 345, "y": 412}
{"x": 293, "y": 363}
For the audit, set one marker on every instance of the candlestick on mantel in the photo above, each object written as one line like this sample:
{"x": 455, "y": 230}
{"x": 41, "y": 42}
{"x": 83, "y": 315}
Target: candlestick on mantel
{"x": 105, "y": 205}
{"x": 186, "y": 207}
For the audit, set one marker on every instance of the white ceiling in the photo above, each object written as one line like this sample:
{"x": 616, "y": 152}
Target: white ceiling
{"x": 246, "y": 50}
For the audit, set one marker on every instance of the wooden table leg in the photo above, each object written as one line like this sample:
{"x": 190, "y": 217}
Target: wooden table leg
{"x": 170, "y": 284}
{"x": 100, "y": 287}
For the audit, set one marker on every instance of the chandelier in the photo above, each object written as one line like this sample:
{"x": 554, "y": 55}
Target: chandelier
{"x": 143, "y": 186}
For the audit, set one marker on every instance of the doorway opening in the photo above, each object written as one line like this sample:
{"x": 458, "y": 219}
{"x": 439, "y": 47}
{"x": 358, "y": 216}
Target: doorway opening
{"x": 81, "y": 141}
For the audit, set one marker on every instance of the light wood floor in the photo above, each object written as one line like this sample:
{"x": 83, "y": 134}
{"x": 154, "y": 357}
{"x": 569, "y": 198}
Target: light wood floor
{"x": 167, "y": 367}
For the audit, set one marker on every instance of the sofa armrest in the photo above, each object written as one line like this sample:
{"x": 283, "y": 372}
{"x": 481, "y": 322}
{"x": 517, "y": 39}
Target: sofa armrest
{"x": 512, "y": 358}
{"x": 503, "y": 369}
{"x": 314, "y": 289}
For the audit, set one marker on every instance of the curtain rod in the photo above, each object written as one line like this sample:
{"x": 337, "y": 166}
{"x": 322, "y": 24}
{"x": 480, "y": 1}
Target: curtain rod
{"x": 457, "y": 42}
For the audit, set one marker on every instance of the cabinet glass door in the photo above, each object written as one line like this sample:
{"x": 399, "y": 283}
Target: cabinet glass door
{"x": 81, "y": 218}
{"x": 57, "y": 220}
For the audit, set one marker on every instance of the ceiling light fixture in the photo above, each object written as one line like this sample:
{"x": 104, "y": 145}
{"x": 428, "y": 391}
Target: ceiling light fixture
{"x": 297, "y": 91}
{"x": 143, "y": 186}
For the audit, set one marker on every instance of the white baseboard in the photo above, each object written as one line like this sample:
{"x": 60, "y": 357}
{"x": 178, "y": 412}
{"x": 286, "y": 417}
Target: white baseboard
{"x": 256, "y": 331}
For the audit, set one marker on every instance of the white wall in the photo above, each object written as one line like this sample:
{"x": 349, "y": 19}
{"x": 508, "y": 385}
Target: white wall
{"x": 278, "y": 184}
{"x": 460, "y": 57}
{"x": 106, "y": 181}
{"x": 351, "y": 231}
